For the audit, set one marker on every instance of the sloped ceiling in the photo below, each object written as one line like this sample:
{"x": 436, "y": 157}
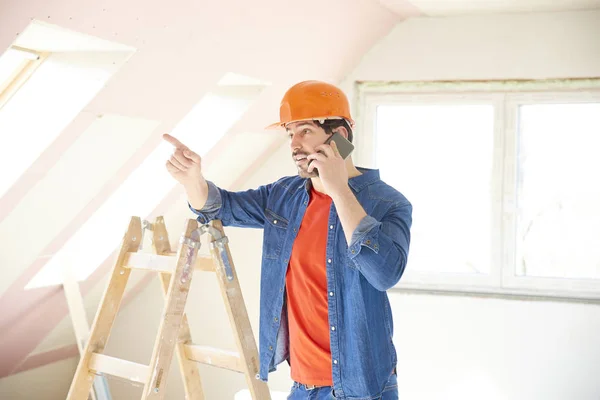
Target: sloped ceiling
{"x": 178, "y": 52}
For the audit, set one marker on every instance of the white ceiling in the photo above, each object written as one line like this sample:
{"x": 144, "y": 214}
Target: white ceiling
{"x": 441, "y": 8}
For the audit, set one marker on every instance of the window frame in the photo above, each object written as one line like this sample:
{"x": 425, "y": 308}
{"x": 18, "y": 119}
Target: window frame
{"x": 506, "y": 97}
{"x": 21, "y": 74}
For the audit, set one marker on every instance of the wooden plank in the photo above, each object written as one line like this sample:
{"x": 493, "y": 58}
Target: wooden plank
{"x": 192, "y": 384}
{"x": 105, "y": 317}
{"x": 164, "y": 263}
{"x": 173, "y": 314}
{"x": 204, "y": 263}
{"x": 150, "y": 262}
{"x": 215, "y": 357}
{"x": 81, "y": 327}
{"x": 129, "y": 370}
{"x": 238, "y": 316}
{"x": 21, "y": 75}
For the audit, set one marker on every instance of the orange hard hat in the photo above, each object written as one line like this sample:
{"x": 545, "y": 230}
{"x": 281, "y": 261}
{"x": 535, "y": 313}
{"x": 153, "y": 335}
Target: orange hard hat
{"x": 313, "y": 100}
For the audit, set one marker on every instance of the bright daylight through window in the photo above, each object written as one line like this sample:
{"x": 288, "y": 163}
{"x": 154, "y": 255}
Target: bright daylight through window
{"x": 429, "y": 152}
{"x": 146, "y": 186}
{"x": 559, "y": 191}
{"x": 41, "y": 108}
{"x": 16, "y": 65}
{"x": 505, "y": 187}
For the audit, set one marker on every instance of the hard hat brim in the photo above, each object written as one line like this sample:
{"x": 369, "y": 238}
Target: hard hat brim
{"x": 277, "y": 125}
{"x": 274, "y": 126}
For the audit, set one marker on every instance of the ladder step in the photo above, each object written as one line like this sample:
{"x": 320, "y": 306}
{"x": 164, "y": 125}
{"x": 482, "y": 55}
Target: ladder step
{"x": 129, "y": 370}
{"x": 161, "y": 263}
{"x": 215, "y": 357}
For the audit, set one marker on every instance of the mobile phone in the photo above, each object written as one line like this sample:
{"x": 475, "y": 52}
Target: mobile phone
{"x": 345, "y": 147}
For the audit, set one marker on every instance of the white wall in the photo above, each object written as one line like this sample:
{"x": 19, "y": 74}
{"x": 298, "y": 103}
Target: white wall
{"x": 515, "y": 46}
{"x": 481, "y": 348}
{"x": 458, "y": 347}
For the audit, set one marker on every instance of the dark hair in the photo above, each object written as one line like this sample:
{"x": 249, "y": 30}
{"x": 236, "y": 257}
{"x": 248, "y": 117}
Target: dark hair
{"x": 329, "y": 125}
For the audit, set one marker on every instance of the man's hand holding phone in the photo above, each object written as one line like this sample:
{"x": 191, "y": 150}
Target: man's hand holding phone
{"x": 331, "y": 166}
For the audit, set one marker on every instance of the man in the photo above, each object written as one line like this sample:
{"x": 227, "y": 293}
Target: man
{"x": 335, "y": 239}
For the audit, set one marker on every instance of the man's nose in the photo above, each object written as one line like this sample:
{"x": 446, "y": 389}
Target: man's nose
{"x": 295, "y": 143}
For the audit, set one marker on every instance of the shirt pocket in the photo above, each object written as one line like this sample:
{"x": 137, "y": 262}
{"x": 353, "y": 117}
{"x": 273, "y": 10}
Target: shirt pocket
{"x": 275, "y": 232}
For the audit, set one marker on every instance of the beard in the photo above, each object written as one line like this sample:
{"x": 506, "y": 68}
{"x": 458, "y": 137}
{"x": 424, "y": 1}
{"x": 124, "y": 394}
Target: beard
{"x": 303, "y": 168}
{"x": 303, "y": 172}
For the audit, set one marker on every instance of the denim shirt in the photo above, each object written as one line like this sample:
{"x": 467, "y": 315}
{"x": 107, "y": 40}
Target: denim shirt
{"x": 358, "y": 275}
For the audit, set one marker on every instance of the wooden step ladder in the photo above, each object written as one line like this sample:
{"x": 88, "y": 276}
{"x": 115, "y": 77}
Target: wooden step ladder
{"x": 174, "y": 336}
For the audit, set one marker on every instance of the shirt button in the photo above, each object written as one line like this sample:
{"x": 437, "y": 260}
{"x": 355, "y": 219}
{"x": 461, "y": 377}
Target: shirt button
{"x": 275, "y": 319}
{"x": 275, "y": 221}
{"x": 335, "y": 361}
{"x": 333, "y": 328}
{"x": 257, "y": 376}
{"x": 355, "y": 251}
{"x": 331, "y": 294}
{"x": 270, "y": 347}
{"x": 330, "y": 226}
{"x": 368, "y": 242}
{"x": 329, "y": 261}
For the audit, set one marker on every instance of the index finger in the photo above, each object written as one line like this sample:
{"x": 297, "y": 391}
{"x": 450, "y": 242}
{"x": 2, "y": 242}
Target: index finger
{"x": 326, "y": 149}
{"x": 174, "y": 141}
{"x": 335, "y": 149}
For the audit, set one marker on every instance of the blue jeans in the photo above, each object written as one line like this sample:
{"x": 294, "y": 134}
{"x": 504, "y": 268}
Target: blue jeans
{"x": 300, "y": 392}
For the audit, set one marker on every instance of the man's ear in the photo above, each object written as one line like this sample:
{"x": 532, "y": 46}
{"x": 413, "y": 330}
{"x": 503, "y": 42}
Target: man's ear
{"x": 342, "y": 131}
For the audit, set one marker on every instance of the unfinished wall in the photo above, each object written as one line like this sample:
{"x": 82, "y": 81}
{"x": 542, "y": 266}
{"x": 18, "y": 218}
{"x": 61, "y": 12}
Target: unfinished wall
{"x": 512, "y": 46}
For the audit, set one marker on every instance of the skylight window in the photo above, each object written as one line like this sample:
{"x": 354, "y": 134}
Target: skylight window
{"x": 143, "y": 190}
{"x": 44, "y": 105}
{"x": 16, "y": 65}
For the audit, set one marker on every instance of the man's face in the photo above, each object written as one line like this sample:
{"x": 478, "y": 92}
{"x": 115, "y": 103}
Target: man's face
{"x": 304, "y": 137}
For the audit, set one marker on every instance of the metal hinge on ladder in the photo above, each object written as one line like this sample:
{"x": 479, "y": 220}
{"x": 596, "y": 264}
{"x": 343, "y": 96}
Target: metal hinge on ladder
{"x": 219, "y": 242}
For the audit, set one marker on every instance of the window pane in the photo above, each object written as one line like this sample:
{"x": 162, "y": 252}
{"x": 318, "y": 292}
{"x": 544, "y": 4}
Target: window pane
{"x": 11, "y": 62}
{"x": 142, "y": 191}
{"x": 42, "y": 108}
{"x": 441, "y": 157}
{"x": 559, "y": 191}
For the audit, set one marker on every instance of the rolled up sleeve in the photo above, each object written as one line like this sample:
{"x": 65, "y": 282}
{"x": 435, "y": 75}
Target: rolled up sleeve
{"x": 211, "y": 207}
{"x": 244, "y": 209}
{"x": 379, "y": 249}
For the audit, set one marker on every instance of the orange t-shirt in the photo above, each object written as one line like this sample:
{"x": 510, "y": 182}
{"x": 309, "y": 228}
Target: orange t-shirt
{"x": 306, "y": 282}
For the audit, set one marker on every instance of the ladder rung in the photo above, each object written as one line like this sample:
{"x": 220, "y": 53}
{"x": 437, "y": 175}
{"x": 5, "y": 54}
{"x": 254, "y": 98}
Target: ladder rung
{"x": 129, "y": 370}
{"x": 203, "y": 263}
{"x": 160, "y": 263}
{"x": 215, "y": 357}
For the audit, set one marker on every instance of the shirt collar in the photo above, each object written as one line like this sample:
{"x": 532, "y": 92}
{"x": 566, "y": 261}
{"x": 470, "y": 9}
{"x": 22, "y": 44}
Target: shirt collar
{"x": 368, "y": 177}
